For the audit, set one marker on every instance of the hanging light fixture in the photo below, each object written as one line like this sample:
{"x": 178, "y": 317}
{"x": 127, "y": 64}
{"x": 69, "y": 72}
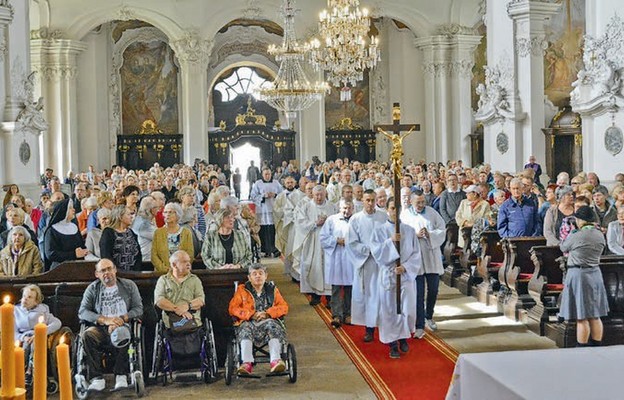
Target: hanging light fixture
{"x": 343, "y": 51}
{"x": 291, "y": 91}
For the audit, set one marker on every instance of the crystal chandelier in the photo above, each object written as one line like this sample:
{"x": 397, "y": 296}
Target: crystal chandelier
{"x": 343, "y": 51}
{"x": 291, "y": 90}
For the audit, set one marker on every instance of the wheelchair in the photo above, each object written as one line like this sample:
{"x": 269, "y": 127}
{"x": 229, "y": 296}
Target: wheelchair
{"x": 135, "y": 359}
{"x": 184, "y": 354}
{"x": 261, "y": 355}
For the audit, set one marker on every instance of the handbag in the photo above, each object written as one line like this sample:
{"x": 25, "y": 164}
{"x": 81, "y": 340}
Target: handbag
{"x": 179, "y": 324}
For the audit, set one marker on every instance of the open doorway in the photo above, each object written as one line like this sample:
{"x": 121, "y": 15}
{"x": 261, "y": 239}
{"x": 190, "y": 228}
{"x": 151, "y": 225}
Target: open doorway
{"x": 240, "y": 158}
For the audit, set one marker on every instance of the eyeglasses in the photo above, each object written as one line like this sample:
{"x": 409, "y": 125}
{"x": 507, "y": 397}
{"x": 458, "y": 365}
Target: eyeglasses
{"x": 575, "y": 183}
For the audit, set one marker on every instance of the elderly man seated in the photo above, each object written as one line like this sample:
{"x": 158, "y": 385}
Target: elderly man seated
{"x": 258, "y": 308}
{"x": 179, "y": 293}
{"x": 108, "y": 303}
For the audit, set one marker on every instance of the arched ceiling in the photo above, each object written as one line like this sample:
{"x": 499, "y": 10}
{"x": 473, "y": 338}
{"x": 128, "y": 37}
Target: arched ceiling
{"x": 77, "y": 17}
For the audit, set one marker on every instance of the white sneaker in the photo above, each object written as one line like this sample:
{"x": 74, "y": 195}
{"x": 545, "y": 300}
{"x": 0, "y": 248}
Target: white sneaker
{"x": 121, "y": 382}
{"x": 419, "y": 333}
{"x": 97, "y": 385}
{"x": 431, "y": 325}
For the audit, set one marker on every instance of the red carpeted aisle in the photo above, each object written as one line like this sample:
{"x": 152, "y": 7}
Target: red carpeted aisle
{"x": 423, "y": 373}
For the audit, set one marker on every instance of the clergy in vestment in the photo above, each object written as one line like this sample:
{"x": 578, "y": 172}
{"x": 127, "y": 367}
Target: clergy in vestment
{"x": 395, "y": 329}
{"x": 358, "y": 192}
{"x": 263, "y": 194}
{"x": 334, "y": 192}
{"x": 284, "y": 216}
{"x": 338, "y": 264}
{"x": 365, "y": 299}
{"x": 309, "y": 220}
{"x": 431, "y": 232}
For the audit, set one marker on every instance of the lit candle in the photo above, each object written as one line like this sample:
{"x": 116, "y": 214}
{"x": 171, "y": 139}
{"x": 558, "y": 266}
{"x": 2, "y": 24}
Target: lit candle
{"x": 20, "y": 380}
{"x": 40, "y": 379}
{"x": 8, "y": 349}
{"x": 64, "y": 374}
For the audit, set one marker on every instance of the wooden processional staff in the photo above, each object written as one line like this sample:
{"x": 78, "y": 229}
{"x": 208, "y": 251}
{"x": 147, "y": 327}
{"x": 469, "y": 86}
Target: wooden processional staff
{"x": 393, "y": 132}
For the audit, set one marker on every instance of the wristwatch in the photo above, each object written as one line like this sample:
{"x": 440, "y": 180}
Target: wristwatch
{"x": 189, "y": 304}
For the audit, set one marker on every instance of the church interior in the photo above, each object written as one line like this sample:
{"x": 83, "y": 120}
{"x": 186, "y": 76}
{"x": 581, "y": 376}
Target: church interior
{"x": 490, "y": 86}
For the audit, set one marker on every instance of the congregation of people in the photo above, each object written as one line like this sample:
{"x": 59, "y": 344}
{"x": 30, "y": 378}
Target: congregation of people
{"x": 332, "y": 224}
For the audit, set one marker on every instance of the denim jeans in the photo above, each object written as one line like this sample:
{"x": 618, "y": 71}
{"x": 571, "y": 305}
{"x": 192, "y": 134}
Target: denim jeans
{"x": 433, "y": 282}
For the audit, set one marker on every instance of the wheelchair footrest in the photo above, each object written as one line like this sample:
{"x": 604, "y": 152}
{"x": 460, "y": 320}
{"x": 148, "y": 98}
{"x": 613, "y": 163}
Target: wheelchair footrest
{"x": 283, "y": 373}
{"x": 251, "y": 376}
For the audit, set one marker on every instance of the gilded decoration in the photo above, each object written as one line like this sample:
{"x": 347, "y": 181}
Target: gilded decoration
{"x": 358, "y": 108}
{"x": 346, "y": 124}
{"x": 149, "y": 82}
{"x": 564, "y": 55}
{"x": 250, "y": 117}
{"x": 149, "y": 127}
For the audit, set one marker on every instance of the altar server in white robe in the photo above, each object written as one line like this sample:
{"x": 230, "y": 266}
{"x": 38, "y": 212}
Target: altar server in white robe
{"x": 295, "y": 269}
{"x": 431, "y": 231}
{"x": 284, "y": 216}
{"x": 263, "y": 193}
{"x": 364, "y": 298}
{"x": 309, "y": 220}
{"x": 334, "y": 192}
{"x": 395, "y": 329}
{"x": 338, "y": 265}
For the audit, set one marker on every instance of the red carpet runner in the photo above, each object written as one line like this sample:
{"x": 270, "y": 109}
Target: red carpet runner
{"x": 423, "y": 373}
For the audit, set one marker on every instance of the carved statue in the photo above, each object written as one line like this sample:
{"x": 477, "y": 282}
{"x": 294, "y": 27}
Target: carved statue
{"x": 31, "y": 117}
{"x": 397, "y": 149}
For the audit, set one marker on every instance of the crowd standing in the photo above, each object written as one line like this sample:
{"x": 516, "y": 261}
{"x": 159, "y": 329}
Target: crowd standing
{"x": 332, "y": 224}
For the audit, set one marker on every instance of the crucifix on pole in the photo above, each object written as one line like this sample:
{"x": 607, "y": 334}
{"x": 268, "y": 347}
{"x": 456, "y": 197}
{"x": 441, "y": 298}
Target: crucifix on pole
{"x": 393, "y": 132}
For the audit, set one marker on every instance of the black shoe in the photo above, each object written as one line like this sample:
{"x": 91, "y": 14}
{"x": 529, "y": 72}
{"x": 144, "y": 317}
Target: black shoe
{"x": 315, "y": 300}
{"x": 403, "y": 345}
{"x": 336, "y": 322}
{"x": 276, "y": 254}
{"x": 394, "y": 352}
{"x": 368, "y": 337}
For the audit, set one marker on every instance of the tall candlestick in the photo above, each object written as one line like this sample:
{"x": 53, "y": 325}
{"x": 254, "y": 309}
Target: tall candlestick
{"x": 20, "y": 379}
{"x": 8, "y": 359}
{"x": 40, "y": 379}
{"x": 64, "y": 374}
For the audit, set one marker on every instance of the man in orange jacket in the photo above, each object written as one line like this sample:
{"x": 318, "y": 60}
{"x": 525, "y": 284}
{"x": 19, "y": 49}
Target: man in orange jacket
{"x": 258, "y": 308}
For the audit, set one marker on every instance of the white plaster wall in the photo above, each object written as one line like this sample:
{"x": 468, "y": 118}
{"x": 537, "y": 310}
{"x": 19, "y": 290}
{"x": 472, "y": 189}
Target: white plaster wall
{"x": 406, "y": 86}
{"x": 94, "y": 143}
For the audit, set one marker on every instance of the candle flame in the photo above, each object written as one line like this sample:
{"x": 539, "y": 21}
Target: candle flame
{"x": 62, "y": 340}
{"x": 17, "y": 343}
{"x": 41, "y": 319}
{"x": 7, "y": 299}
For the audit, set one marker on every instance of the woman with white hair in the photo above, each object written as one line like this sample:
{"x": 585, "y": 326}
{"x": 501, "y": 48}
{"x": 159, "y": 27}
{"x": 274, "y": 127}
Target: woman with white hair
{"x": 188, "y": 198}
{"x": 21, "y": 256}
{"x": 170, "y": 238}
{"x": 94, "y": 235}
{"x": 189, "y": 221}
{"x": 144, "y": 225}
{"x": 226, "y": 247}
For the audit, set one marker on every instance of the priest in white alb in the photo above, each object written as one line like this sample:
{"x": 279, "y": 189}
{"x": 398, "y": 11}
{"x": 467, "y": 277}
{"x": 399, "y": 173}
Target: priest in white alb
{"x": 284, "y": 217}
{"x": 395, "y": 329}
{"x": 263, "y": 193}
{"x": 338, "y": 265}
{"x": 364, "y": 298}
{"x": 309, "y": 220}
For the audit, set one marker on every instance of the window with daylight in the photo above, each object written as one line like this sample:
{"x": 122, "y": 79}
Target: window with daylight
{"x": 233, "y": 90}
{"x": 243, "y": 80}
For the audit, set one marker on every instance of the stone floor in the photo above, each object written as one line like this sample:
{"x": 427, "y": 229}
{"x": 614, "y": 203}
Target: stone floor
{"x": 325, "y": 371}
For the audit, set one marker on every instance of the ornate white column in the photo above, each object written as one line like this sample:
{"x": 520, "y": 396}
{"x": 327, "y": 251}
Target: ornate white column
{"x": 193, "y": 53}
{"x": 448, "y": 62}
{"x": 310, "y": 126}
{"x": 6, "y": 16}
{"x": 54, "y": 59}
{"x": 500, "y": 107}
{"x": 529, "y": 19}
{"x": 599, "y": 91}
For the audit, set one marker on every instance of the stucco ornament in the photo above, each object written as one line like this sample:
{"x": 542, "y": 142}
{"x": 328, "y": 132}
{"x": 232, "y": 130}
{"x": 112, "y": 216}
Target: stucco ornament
{"x": 599, "y": 87}
{"x": 192, "y": 48}
{"x": 31, "y": 118}
{"x": 496, "y": 94}
{"x": 502, "y": 142}
{"x": 614, "y": 140}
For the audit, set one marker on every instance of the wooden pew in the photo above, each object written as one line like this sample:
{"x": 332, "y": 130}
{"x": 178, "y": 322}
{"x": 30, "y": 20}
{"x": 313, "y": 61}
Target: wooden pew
{"x": 64, "y": 286}
{"x": 467, "y": 260}
{"x": 545, "y": 286}
{"x": 451, "y": 255}
{"x": 491, "y": 260}
{"x": 514, "y": 300}
{"x": 612, "y": 268}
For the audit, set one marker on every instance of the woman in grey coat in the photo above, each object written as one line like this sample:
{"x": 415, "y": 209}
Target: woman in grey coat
{"x": 584, "y": 297}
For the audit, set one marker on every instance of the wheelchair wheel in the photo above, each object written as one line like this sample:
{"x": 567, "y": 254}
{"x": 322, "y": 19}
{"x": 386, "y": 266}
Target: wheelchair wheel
{"x": 81, "y": 387}
{"x": 139, "y": 383}
{"x": 53, "y": 386}
{"x": 229, "y": 363}
{"x": 158, "y": 354}
{"x": 292, "y": 363}
{"x": 212, "y": 352}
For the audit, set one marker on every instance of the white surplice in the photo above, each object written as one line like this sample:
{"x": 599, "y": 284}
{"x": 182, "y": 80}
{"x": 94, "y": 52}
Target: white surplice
{"x": 284, "y": 217}
{"x": 264, "y": 204}
{"x": 429, "y": 247}
{"x": 307, "y": 247}
{"x": 338, "y": 265}
{"x": 364, "y": 298}
{"x": 393, "y": 326}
